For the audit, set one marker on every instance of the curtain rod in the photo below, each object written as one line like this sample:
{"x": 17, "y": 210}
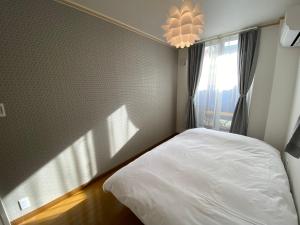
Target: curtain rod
{"x": 242, "y": 30}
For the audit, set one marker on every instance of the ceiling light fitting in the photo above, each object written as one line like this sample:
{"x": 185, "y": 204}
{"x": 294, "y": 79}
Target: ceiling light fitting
{"x": 184, "y": 25}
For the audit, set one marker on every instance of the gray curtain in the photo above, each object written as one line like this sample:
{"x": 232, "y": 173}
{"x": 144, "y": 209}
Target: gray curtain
{"x": 195, "y": 57}
{"x": 293, "y": 147}
{"x": 247, "y": 60}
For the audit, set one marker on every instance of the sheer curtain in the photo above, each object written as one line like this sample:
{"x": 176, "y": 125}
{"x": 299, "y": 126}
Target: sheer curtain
{"x": 217, "y": 92}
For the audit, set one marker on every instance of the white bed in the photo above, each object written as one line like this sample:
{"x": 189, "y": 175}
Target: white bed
{"x": 206, "y": 177}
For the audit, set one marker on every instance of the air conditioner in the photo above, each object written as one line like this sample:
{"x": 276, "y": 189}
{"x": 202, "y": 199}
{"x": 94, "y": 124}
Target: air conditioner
{"x": 290, "y": 33}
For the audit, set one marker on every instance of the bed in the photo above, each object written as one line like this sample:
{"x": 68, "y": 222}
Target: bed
{"x": 207, "y": 177}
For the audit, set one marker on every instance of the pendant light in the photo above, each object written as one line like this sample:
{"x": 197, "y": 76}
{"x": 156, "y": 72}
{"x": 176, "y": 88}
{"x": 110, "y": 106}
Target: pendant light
{"x": 184, "y": 25}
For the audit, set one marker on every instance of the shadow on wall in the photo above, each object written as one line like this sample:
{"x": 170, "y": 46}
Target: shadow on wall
{"x": 80, "y": 162}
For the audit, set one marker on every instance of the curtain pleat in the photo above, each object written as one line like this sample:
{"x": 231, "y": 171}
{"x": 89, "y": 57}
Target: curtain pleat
{"x": 247, "y": 59}
{"x": 195, "y": 57}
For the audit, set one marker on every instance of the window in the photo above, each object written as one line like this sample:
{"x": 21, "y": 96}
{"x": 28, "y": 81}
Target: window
{"x": 217, "y": 92}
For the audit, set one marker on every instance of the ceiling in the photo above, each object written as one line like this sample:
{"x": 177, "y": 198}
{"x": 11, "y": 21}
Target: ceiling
{"x": 221, "y": 16}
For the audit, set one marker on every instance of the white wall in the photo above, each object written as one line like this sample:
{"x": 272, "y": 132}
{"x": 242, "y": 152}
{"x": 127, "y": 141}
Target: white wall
{"x": 293, "y": 164}
{"x": 285, "y": 74}
{"x": 263, "y": 81}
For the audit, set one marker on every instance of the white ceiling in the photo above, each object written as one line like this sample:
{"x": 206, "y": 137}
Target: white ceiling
{"x": 221, "y": 16}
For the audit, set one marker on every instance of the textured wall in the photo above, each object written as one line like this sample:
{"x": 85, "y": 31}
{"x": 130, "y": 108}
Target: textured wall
{"x": 182, "y": 90}
{"x": 81, "y": 96}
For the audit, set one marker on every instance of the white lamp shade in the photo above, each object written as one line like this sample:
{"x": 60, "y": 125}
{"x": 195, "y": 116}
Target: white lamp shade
{"x": 184, "y": 25}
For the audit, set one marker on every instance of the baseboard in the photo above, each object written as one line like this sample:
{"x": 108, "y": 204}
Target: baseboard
{"x": 81, "y": 187}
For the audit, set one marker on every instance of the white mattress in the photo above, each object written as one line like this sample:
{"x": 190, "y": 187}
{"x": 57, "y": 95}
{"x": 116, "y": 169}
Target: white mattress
{"x": 207, "y": 177}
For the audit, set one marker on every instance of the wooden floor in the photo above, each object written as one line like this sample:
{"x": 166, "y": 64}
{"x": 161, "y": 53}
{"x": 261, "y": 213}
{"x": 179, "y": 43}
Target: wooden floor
{"x": 90, "y": 206}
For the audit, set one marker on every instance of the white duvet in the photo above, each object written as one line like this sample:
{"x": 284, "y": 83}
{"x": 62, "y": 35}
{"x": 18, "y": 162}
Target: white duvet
{"x": 207, "y": 177}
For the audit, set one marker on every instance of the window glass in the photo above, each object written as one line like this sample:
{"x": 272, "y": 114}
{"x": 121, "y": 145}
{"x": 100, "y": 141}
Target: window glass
{"x": 217, "y": 92}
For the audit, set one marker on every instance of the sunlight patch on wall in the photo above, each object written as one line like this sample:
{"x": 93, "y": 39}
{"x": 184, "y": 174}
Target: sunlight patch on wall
{"x": 120, "y": 129}
{"x": 74, "y": 166}
{"x": 89, "y": 141}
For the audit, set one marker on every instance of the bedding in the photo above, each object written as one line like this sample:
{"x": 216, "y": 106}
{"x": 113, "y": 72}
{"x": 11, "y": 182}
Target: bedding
{"x": 207, "y": 177}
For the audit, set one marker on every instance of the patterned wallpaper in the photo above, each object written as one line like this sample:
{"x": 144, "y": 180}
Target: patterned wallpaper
{"x": 65, "y": 75}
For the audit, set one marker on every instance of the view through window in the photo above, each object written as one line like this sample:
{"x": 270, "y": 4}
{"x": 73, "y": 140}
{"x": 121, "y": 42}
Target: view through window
{"x": 217, "y": 92}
